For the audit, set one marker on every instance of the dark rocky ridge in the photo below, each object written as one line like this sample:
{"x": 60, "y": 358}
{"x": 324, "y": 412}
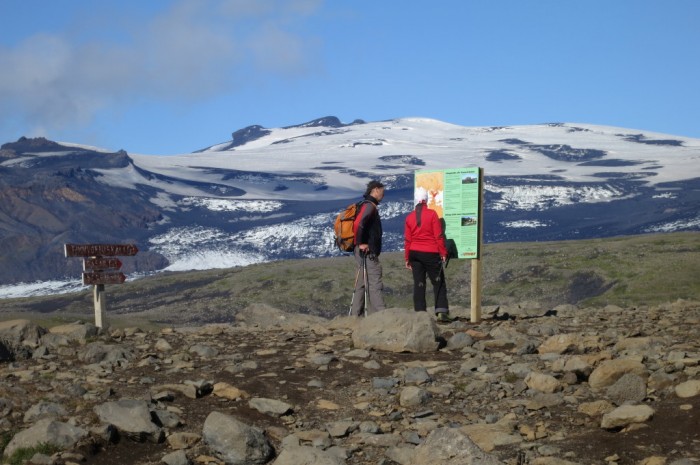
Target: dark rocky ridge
{"x": 49, "y": 200}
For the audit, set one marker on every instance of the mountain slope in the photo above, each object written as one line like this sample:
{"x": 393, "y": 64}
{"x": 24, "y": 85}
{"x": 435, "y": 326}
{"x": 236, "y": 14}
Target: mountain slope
{"x": 50, "y": 196}
{"x": 272, "y": 193}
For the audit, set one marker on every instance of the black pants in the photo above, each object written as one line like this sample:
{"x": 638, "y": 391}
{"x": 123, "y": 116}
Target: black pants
{"x": 426, "y": 263}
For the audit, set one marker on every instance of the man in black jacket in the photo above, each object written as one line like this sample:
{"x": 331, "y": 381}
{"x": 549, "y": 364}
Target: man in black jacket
{"x": 368, "y": 246}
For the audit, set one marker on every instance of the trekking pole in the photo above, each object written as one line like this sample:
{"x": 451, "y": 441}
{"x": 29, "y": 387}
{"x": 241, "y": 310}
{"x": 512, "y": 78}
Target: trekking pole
{"x": 364, "y": 263}
{"x": 443, "y": 284}
{"x": 444, "y": 276}
{"x": 352, "y": 300}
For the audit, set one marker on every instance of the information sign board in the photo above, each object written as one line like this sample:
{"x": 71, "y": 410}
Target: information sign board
{"x": 455, "y": 194}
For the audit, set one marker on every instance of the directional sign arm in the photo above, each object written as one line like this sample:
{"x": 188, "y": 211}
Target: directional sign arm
{"x": 103, "y": 277}
{"x": 101, "y": 264}
{"x": 100, "y": 250}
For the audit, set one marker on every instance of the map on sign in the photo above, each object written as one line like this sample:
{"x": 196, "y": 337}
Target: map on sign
{"x": 434, "y": 184}
{"x": 455, "y": 194}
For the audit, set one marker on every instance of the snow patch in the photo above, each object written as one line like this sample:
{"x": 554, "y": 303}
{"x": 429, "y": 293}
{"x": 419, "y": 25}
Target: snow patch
{"x": 226, "y": 205}
{"x": 40, "y": 288}
{"x": 210, "y": 259}
{"x": 524, "y": 224}
{"x": 665, "y": 195}
{"x": 164, "y": 201}
{"x": 533, "y": 197}
{"x": 391, "y": 210}
{"x": 672, "y": 226}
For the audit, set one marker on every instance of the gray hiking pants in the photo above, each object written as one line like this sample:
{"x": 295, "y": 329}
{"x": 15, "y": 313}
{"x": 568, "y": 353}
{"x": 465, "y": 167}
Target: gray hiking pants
{"x": 374, "y": 285}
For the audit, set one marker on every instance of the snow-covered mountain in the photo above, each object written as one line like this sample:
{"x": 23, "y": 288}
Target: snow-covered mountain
{"x": 271, "y": 194}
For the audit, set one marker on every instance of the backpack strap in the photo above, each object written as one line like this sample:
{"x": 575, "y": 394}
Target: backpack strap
{"x": 358, "y": 214}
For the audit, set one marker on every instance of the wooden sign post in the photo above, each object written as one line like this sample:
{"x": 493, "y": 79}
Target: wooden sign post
{"x": 100, "y": 267}
{"x": 476, "y": 262}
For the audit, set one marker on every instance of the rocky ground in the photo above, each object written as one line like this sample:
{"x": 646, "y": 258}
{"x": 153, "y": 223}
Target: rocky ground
{"x": 570, "y": 385}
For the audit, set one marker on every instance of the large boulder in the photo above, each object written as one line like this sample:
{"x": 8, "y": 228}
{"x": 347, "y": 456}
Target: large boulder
{"x": 264, "y": 316}
{"x": 570, "y": 343}
{"x": 397, "y": 330}
{"x": 234, "y": 442}
{"x": 97, "y": 352}
{"x": 46, "y": 431}
{"x": 450, "y": 446}
{"x": 18, "y": 338}
{"x": 690, "y": 388}
{"x": 131, "y": 417}
{"x": 609, "y": 371}
{"x": 78, "y": 331}
{"x": 295, "y": 454}
{"x": 626, "y": 415}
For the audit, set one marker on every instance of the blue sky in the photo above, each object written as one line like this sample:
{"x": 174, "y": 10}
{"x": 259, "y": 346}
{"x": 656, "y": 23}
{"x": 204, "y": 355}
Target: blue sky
{"x": 165, "y": 77}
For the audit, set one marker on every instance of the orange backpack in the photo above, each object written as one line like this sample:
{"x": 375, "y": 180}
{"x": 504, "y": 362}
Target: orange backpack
{"x": 343, "y": 227}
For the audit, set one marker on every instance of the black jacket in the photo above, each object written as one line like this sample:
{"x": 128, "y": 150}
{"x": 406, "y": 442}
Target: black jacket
{"x": 368, "y": 226}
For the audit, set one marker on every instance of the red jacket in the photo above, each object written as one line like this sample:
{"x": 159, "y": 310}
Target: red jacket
{"x": 429, "y": 237}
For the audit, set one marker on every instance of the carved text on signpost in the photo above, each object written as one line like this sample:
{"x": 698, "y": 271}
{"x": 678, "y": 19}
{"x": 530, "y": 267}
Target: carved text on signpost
{"x": 100, "y": 250}
{"x": 100, "y": 263}
{"x": 103, "y": 277}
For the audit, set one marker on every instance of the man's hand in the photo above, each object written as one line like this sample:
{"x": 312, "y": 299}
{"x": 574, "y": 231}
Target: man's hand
{"x": 408, "y": 265}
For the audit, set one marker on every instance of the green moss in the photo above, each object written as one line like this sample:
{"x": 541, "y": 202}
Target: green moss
{"x": 5, "y": 438}
{"x": 20, "y": 456}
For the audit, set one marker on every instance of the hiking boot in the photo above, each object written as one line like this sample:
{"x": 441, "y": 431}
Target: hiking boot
{"x": 443, "y": 317}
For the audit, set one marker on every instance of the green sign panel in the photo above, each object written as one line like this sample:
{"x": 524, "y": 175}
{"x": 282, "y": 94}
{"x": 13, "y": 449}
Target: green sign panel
{"x": 455, "y": 194}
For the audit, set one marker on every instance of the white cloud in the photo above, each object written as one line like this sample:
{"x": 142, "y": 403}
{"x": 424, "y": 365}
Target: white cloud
{"x": 191, "y": 51}
{"x": 246, "y": 8}
{"x": 279, "y": 51}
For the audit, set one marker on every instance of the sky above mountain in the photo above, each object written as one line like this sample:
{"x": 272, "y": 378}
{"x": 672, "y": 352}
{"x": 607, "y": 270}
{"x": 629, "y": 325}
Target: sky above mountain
{"x": 166, "y": 77}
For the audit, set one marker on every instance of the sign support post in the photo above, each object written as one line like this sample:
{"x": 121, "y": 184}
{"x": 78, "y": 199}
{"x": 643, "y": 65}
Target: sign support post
{"x": 100, "y": 305}
{"x": 476, "y": 262}
{"x": 476, "y": 291}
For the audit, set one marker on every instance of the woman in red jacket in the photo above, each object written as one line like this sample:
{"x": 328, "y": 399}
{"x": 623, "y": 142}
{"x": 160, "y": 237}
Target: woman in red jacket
{"x": 425, "y": 253}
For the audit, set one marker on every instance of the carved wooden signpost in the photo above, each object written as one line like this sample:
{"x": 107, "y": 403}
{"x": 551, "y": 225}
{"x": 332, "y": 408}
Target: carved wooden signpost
{"x": 100, "y": 267}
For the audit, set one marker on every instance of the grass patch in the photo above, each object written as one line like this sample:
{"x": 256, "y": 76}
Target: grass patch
{"x": 5, "y": 438}
{"x": 20, "y": 456}
{"x": 625, "y": 271}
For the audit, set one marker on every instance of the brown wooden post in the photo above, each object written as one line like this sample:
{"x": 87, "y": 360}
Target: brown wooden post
{"x": 476, "y": 291}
